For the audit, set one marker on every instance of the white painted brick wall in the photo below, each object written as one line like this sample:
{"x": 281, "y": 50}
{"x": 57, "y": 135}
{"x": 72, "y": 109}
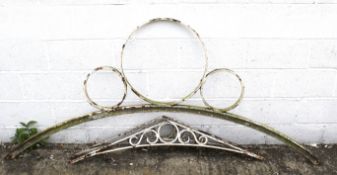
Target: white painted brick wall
{"x": 285, "y": 51}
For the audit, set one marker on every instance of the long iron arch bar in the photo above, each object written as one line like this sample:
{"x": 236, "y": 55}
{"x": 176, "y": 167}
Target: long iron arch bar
{"x": 157, "y": 106}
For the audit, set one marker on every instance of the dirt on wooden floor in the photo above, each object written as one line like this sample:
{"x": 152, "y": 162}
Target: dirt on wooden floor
{"x": 53, "y": 160}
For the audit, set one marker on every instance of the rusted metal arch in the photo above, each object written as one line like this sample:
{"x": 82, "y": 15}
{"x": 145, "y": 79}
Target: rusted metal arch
{"x": 156, "y": 108}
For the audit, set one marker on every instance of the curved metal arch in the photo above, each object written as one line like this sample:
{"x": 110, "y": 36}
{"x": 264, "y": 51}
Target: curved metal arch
{"x": 150, "y": 135}
{"x": 155, "y": 108}
{"x": 165, "y": 145}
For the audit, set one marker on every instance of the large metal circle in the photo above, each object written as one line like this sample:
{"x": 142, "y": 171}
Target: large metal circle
{"x": 238, "y": 100}
{"x": 191, "y": 93}
{"x": 91, "y": 101}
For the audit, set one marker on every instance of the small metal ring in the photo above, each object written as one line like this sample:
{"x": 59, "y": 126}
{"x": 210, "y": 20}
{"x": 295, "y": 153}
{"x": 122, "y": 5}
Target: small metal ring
{"x": 163, "y": 139}
{"x": 236, "y": 103}
{"x": 157, "y": 102}
{"x": 94, "y": 104}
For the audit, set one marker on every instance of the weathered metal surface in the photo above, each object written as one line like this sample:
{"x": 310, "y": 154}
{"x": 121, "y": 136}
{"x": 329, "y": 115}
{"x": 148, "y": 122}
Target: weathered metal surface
{"x": 193, "y": 91}
{"x": 173, "y": 106}
{"x": 238, "y": 100}
{"x": 154, "y": 134}
{"x": 155, "y": 108}
{"x": 91, "y": 101}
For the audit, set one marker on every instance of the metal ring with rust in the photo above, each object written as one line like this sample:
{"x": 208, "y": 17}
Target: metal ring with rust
{"x": 167, "y": 103}
{"x": 232, "y": 106}
{"x": 94, "y": 104}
